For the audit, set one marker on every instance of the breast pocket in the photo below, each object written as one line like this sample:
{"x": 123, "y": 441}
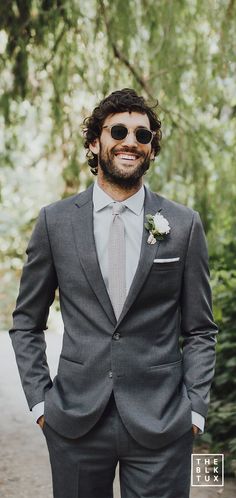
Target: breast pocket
{"x": 165, "y": 280}
{"x": 172, "y": 265}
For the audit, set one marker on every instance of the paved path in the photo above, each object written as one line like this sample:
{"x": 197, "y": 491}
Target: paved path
{"x": 24, "y": 463}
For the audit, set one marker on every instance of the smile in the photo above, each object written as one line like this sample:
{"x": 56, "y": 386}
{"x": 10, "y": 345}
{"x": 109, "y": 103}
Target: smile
{"x": 127, "y": 156}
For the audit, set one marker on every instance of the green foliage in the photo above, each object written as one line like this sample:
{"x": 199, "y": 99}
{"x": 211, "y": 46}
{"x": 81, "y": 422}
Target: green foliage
{"x": 221, "y": 420}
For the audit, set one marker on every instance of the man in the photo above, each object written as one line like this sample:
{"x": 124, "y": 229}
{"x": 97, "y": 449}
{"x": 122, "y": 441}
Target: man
{"x": 132, "y": 273}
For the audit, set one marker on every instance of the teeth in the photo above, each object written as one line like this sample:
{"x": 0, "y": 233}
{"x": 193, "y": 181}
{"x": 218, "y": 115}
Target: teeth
{"x": 126, "y": 156}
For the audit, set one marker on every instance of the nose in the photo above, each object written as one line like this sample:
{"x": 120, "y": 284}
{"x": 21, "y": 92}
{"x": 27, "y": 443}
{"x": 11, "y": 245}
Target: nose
{"x": 130, "y": 139}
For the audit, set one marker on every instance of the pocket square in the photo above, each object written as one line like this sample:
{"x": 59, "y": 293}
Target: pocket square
{"x": 167, "y": 260}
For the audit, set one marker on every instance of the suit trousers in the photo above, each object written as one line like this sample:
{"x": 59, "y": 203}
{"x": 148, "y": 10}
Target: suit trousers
{"x": 85, "y": 467}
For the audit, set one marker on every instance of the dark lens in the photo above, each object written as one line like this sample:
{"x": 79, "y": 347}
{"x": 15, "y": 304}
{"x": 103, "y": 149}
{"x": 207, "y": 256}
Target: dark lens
{"x": 119, "y": 132}
{"x": 143, "y": 135}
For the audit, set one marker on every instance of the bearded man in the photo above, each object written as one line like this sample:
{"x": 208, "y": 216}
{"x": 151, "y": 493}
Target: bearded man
{"x": 138, "y": 351}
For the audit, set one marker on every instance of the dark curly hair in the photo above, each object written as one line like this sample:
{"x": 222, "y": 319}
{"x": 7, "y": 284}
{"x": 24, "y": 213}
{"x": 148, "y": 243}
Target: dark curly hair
{"x": 118, "y": 101}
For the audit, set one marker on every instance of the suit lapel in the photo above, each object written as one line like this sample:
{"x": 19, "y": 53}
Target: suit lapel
{"x": 82, "y": 223}
{"x": 152, "y": 204}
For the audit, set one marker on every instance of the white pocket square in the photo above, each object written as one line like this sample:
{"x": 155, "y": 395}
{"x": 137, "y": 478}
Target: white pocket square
{"x": 167, "y": 260}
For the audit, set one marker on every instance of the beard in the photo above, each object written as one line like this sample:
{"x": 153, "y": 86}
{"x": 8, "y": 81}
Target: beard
{"x": 115, "y": 175}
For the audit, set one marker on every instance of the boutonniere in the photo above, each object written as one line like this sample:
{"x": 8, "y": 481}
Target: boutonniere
{"x": 158, "y": 227}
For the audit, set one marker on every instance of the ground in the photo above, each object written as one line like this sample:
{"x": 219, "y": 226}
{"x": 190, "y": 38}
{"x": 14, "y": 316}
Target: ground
{"x": 24, "y": 462}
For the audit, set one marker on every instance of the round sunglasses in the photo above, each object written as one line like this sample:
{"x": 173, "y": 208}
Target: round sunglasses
{"x": 120, "y": 131}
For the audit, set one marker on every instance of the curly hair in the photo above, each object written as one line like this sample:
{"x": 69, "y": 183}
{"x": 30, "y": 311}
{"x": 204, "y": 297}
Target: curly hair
{"x": 119, "y": 101}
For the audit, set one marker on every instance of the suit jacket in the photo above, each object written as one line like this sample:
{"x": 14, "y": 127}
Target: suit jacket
{"x": 157, "y": 379}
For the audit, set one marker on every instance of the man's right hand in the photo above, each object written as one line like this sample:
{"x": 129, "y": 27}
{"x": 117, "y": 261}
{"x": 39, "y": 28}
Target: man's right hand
{"x": 41, "y": 421}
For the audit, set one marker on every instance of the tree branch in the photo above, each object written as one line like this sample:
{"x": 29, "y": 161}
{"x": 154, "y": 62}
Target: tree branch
{"x": 135, "y": 73}
{"x": 176, "y": 117}
{"x": 118, "y": 54}
{"x": 55, "y": 47}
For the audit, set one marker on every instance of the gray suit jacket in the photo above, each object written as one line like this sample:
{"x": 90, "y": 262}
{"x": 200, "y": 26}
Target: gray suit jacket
{"x": 156, "y": 381}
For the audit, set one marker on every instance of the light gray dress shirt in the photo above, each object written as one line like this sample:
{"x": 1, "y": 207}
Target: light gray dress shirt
{"x": 133, "y": 217}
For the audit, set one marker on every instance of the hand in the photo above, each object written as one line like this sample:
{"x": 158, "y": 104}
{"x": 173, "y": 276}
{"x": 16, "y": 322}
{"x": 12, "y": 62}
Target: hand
{"x": 41, "y": 421}
{"x": 195, "y": 430}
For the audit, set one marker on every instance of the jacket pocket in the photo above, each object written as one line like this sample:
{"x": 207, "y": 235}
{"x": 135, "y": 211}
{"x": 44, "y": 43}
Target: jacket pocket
{"x": 173, "y": 265}
{"x": 165, "y": 365}
{"x": 78, "y": 362}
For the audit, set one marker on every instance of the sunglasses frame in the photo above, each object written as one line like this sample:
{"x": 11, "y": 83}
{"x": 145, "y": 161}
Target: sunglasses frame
{"x": 128, "y": 131}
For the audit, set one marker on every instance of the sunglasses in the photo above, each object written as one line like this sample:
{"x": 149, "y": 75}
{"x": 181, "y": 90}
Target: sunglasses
{"x": 120, "y": 132}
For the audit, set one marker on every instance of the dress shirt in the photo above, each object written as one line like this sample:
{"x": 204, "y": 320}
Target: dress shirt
{"x": 133, "y": 218}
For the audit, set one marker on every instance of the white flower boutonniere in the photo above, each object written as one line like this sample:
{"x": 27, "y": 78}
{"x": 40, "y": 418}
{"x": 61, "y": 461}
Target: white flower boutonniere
{"x": 158, "y": 227}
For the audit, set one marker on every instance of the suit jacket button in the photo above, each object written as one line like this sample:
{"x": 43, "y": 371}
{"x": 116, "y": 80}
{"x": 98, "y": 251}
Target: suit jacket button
{"x": 116, "y": 336}
{"x": 110, "y": 374}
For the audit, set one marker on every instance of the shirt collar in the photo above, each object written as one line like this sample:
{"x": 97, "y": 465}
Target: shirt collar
{"x": 101, "y": 199}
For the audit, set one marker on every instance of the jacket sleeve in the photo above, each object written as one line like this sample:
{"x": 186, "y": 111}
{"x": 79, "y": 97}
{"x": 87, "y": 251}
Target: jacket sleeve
{"x": 36, "y": 294}
{"x": 197, "y": 325}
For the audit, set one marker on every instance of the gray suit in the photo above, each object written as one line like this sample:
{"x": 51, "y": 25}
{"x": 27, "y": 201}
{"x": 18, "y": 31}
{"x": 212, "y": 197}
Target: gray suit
{"x": 155, "y": 382}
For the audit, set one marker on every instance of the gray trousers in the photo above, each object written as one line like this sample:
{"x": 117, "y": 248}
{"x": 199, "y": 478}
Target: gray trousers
{"x": 85, "y": 467}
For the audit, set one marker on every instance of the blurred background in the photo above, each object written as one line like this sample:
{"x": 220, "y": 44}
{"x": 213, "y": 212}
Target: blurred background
{"x": 57, "y": 60}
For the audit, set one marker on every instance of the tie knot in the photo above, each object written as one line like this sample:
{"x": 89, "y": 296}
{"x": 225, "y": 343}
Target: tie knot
{"x": 117, "y": 208}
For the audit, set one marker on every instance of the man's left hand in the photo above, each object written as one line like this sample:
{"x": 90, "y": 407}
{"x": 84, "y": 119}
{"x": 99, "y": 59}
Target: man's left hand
{"x": 195, "y": 430}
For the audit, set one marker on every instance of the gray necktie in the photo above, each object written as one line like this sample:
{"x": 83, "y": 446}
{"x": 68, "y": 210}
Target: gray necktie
{"x": 116, "y": 260}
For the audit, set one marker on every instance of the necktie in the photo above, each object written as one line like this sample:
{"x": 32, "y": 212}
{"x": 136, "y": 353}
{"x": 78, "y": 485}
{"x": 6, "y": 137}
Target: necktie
{"x": 116, "y": 260}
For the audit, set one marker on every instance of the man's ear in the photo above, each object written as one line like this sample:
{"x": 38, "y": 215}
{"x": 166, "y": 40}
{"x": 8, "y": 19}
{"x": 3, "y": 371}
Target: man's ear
{"x": 152, "y": 156}
{"x": 95, "y": 146}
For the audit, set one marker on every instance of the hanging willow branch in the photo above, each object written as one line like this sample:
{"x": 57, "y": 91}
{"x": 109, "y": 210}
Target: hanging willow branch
{"x": 177, "y": 119}
{"x": 118, "y": 54}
